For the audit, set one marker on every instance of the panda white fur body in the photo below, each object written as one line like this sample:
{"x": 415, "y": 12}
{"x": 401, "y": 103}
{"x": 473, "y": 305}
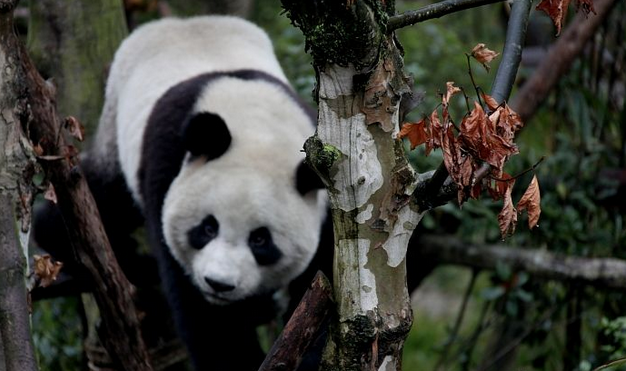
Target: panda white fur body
{"x": 212, "y": 69}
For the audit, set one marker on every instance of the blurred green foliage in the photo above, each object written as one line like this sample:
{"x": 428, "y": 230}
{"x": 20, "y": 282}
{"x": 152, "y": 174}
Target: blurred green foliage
{"x": 57, "y": 334}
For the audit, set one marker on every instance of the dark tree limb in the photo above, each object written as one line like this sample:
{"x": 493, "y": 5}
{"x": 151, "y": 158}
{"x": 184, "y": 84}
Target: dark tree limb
{"x": 559, "y": 59}
{"x": 600, "y": 272}
{"x": 112, "y": 291}
{"x": 302, "y": 328}
{"x": 434, "y": 11}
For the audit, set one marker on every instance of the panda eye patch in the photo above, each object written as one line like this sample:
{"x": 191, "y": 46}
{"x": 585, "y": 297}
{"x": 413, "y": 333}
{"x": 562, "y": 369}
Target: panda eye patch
{"x": 203, "y": 233}
{"x": 263, "y": 248}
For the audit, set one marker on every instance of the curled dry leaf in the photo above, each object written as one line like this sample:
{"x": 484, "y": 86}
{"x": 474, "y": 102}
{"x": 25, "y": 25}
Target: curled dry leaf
{"x": 490, "y": 101}
{"x": 435, "y": 130}
{"x": 46, "y": 270}
{"x": 415, "y": 131}
{"x": 451, "y": 90}
{"x": 483, "y": 55}
{"x": 556, "y": 10}
{"x": 531, "y": 202}
{"x": 507, "y": 219}
{"x": 75, "y": 128}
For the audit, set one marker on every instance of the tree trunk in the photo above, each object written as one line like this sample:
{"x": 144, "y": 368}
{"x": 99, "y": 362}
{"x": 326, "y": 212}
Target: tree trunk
{"x": 355, "y": 151}
{"x": 73, "y": 42}
{"x": 17, "y": 167}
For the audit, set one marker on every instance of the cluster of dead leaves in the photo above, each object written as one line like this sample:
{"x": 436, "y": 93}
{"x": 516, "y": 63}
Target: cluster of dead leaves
{"x": 483, "y": 138}
{"x": 557, "y": 10}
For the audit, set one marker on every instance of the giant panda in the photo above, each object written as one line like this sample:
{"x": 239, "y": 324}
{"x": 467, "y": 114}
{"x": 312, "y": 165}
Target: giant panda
{"x": 202, "y": 135}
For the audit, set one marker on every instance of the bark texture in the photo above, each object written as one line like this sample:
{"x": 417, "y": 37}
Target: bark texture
{"x": 355, "y": 151}
{"x": 17, "y": 167}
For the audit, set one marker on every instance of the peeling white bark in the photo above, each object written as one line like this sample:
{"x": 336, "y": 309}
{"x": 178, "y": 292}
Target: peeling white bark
{"x": 398, "y": 241}
{"x": 362, "y": 297}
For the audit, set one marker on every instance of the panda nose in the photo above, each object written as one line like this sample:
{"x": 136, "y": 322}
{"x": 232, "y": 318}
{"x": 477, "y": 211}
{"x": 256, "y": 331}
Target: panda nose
{"x": 219, "y": 286}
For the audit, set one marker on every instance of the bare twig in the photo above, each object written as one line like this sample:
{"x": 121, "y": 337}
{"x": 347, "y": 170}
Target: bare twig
{"x": 433, "y": 11}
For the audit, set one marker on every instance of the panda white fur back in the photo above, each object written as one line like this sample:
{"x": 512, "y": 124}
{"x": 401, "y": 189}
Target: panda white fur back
{"x": 160, "y": 54}
{"x": 200, "y": 121}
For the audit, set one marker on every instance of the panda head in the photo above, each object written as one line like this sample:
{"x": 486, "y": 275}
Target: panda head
{"x": 243, "y": 216}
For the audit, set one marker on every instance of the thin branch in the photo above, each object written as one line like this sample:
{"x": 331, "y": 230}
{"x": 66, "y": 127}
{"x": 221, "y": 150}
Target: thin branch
{"x": 433, "y": 11}
{"x": 600, "y": 272}
{"x": 512, "y": 54}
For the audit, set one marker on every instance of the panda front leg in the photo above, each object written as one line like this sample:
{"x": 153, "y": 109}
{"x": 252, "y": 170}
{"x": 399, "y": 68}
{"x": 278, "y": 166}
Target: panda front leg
{"x": 218, "y": 338}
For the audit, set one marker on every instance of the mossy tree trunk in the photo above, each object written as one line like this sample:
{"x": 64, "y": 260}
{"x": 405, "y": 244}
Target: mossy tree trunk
{"x": 355, "y": 150}
{"x": 17, "y": 167}
{"x": 73, "y": 42}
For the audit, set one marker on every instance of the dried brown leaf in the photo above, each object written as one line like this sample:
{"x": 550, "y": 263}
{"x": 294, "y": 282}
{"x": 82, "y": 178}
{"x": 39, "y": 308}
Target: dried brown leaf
{"x": 416, "y": 132}
{"x": 483, "y": 55}
{"x": 556, "y": 10}
{"x": 46, "y": 270}
{"x": 531, "y": 202}
{"x": 436, "y": 129}
{"x": 490, "y": 101}
{"x": 451, "y": 90}
{"x": 498, "y": 187}
{"x": 507, "y": 219}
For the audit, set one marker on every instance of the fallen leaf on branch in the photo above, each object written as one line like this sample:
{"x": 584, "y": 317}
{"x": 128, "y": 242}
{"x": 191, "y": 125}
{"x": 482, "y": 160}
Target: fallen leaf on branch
{"x": 46, "y": 270}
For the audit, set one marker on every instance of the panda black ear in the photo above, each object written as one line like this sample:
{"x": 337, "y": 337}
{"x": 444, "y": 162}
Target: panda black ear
{"x": 206, "y": 134}
{"x": 307, "y": 180}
